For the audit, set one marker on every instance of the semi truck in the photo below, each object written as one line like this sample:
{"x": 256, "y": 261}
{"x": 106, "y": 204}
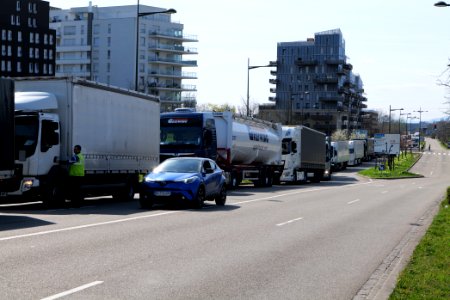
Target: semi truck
{"x": 340, "y": 156}
{"x": 245, "y": 148}
{"x": 305, "y": 152}
{"x": 116, "y": 129}
{"x": 356, "y": 151}
{"x": 7, "y": 132}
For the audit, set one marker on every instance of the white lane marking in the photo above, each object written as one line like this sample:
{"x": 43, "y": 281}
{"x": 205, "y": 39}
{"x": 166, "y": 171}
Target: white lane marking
{"x": 85, "y": 226}
{"x": 290, "y": 221}
{"x": 351, "y": 202}
{"x": 297, "y": 192}
{"x": 75, "y": 290}
{"x": 384, "y": 192}
{"x": 431, "y": 173}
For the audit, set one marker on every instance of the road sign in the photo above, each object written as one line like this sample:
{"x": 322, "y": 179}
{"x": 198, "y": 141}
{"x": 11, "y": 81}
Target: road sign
{"x": 387, "y": 143}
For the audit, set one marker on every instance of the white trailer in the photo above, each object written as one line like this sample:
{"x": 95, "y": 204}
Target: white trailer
{"x": 245, "y": 148}
{"x": 116, "y": 129}
{"x": 356, "y": 151}
{"x": 341, "y": 155}
{"x": 304, "y": 155}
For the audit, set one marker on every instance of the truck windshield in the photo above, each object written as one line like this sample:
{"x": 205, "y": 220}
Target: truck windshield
{"x": 181, "y": 136}
{"x": 27, "y": 129}
{"x": 286, "y": 146}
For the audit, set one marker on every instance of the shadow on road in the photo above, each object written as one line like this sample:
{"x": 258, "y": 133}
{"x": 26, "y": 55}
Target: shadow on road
{"x": 11, "y": 222}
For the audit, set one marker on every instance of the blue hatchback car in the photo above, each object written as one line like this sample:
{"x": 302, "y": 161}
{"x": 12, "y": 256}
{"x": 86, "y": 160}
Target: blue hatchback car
{"x": 190, "y": 180}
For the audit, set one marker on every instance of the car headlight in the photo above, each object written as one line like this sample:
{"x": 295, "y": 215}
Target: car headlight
{"x": 188, "y": 180}
{"x": 148, "y": 179}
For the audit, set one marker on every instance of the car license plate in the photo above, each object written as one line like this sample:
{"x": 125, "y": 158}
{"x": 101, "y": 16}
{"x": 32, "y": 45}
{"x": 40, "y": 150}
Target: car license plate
{"x": 162, "y": 193}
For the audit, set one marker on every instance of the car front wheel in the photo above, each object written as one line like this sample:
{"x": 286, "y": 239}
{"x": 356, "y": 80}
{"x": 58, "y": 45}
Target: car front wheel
{"x": 200, "y": 199}
{"x": 221, "y": 198}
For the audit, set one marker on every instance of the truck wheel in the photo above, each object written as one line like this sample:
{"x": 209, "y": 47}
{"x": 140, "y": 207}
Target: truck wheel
{"x": 221, "y": 198}
{"x": 145, "y": 201}
{"x": 126, "y": 193}
{"x": 200, "y": 198}
{"x": 53, "y": 195}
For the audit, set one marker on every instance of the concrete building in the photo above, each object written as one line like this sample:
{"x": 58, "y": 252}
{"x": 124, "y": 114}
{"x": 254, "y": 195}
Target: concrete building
{"x": 27, "y": 44}
{"x": 99, "y": 43}
{"x": 315, "y": 85}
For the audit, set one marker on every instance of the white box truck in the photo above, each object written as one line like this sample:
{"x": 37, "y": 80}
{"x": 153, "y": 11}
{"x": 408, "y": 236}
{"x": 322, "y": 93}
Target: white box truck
{"x": 356, "y": 151}
{"x": 340, "y": 156}
{"x": 245, "y": 148}
{"x": 117, "y": 129}
{"x": 305, "y": 155}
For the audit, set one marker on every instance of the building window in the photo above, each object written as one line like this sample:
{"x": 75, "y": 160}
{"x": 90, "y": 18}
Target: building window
{"x": 109, "y": 54}
{"x": 95, "y": 67}
{"x": 3, "y": 65}
{"x": 19, "y": 67}
{"x": 31, "y": 53}
{"x": 30, "y": 23}
{"x": 30, "y": 7}
{"x": 36, "y": 53}
{"x": 9, "y": 66}
{"x": 96, "y": 41}
{"x": 3, "y": 34}
{"x": 13, "y": 20}
{"x": 34, "y": 23}
{"x": 96, "y": 29}
{"x": 70, "y": 30}
{"x": 3, "y": 50}
{"x": 31, "y": 38}
{"x": 34, "y": 8}
{"x": 50, "y": 69}
{"x": 9, "y": 35}
{"x": 45, "y": 39}
{"x": 82, "y": 29}
{"x": 109, "y": 28}
{"x": 45, "y": 54}
{"x": 108, "y": 67}
{"x": 44, "y": 69}
{"x": 30, "y": 68}
{"x": 18, "y": 5}
{"x": 69, "y": 42}
{"x": 109, "y": 41}
{"x": 36, "y": 68}
{"x": 50, "y": 54}
{"x": 36, "y": 38}
{"x": 19, "y": 36}
{"x": 9, "y": 51}
{"x": 19, "y": 51}
{"x": 18, "y": 20}
{"x": 51, "y": 39}
{"x": 95, "y": 54}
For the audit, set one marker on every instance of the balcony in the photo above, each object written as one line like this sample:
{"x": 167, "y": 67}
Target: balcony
{"x": 273, "y": 99}
{"x": 173, "y": 49}
{"x": 273, "y": 90}
{"x": 273, "y": 72}
{"x": 77, "y": 61}
{"x": 273, "y": 81}
{"x": 176, "y": 75}
{"x": 348, "y": 67}
{"x": 334, "y": 61}
{"x": 173, "y": 36}
{"x": 75, "y": 48}
{"x": 305, "y": 62}
{"x": 324, "y": 79}
{"x": 173, "y": 62}
{"x": 172, "y": 87}
{"x": 330, "y": 98}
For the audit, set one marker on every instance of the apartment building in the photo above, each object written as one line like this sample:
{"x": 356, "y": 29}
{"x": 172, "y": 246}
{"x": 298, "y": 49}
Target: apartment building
{"x": 102, "y": 44}
{"x": 315, "y": 85}
{"x": 26, "y": 42}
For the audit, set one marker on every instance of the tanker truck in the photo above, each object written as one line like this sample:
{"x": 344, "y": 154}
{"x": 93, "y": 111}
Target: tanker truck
{"x": 305, "y": 154}
{"x": 245, "y": 148}
{"x": 52, "y": 115}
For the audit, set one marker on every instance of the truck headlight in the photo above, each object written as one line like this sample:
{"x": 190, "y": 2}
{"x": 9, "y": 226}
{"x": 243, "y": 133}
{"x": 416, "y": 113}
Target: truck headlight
{"x": 28, "y": 183}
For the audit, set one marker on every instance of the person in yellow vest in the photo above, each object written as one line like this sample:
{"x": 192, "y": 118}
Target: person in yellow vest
{"x": 76, "y": 175}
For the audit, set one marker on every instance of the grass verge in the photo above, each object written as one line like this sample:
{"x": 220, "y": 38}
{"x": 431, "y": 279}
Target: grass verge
{"x": 427, "y": 275}
{"x": 402, "y": 165}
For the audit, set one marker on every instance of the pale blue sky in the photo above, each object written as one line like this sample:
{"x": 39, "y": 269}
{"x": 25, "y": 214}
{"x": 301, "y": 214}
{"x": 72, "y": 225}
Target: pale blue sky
{"x": 400, "y": 48}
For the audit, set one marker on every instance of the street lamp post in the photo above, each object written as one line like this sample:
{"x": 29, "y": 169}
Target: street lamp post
{"x": 390, "y": 110}
{"x": 138, "y": 15}
{"x": 420, "y": 111}
{"x": 399, "y": 119}
{"x": 271, "y": 64}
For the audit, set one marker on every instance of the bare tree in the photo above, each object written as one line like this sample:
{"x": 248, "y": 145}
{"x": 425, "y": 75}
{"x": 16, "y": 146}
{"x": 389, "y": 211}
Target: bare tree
{"x": 444, "y": 80}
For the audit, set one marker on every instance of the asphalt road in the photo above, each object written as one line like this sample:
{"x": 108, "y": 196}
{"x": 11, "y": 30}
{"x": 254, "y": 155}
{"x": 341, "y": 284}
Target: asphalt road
{"x": 341, "y": 239}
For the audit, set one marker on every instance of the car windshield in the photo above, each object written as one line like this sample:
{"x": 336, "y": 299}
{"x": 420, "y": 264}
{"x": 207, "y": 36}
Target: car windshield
{"x": 179, "y": 166}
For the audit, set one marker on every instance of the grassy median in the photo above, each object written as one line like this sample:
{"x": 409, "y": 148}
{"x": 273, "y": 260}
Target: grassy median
{"x": 402, "y": 164}
{"x": 427, "y": 276}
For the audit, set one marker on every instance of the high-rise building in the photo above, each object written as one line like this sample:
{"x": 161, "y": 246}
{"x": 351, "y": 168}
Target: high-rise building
{"x": 27, "y": 44}
{"x": 315, "y": 85}
{"x": 101, "y": 44}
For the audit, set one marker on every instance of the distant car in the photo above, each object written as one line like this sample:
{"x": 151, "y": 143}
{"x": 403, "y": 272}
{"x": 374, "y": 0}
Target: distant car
{"x": 185, "y": 179}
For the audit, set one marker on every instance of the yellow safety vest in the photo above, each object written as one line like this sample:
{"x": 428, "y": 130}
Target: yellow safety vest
{"x": 77, "y": 168}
